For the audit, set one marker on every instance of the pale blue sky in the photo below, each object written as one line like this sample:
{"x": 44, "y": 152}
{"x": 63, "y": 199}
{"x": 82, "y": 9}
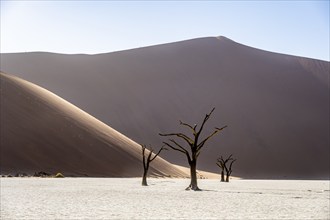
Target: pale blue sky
{"x": 291, "y": 27}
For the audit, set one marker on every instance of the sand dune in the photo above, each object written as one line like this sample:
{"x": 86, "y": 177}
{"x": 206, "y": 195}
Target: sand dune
{"x": 276, "y": 106}
{"x": 42, "y": 132}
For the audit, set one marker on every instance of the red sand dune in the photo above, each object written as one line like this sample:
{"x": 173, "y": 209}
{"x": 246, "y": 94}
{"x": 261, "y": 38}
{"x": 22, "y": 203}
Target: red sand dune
{"x": 276, "y": 106}
{"x": 42, "y": 132}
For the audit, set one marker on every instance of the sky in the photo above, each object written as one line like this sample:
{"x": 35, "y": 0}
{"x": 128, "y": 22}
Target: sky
{"x": 89, "y": 27}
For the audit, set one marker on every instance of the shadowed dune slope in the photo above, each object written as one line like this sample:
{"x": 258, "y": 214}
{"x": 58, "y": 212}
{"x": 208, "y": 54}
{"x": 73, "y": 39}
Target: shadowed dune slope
{"x": 276, "y": 106}
{"x": 42, "y": 132}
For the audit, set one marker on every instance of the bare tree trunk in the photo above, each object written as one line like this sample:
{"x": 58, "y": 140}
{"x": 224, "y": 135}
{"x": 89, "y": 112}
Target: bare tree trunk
{"x": 193, "y": 176}
{"x": 144, "y": 178}
{"x": 227, "y": 178}
{"x": 229, "y": 170}
{"x": 222, "y": 176}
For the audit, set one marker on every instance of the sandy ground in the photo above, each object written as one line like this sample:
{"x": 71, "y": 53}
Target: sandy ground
{"x": 276, "y": 106}
{"x": 115, "y": 198}
{"x": 202, "y": 174}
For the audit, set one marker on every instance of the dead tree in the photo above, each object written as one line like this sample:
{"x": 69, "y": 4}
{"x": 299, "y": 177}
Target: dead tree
{"x": 229, "y": 170}
{"x": 147, "y": 160}
{"x": 222, "y": 163}
{"x": 195, "y": 146}
{"x": 222, "y": 167}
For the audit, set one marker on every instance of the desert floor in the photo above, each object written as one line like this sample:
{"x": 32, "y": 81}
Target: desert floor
{"x": 125, "y": 198}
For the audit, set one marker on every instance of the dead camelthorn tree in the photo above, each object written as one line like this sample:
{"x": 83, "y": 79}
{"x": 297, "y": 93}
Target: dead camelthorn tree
{"x": 222, "y": 163}
{"x": 229, "y": 170}
{"x": 195, "y": 146}
{"x": 147, "y": 160}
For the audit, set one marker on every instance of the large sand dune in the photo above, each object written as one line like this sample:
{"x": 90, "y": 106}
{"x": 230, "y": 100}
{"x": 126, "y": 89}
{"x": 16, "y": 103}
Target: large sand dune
{"x": 42, "y": 132}
{"x": 276, "y": 106}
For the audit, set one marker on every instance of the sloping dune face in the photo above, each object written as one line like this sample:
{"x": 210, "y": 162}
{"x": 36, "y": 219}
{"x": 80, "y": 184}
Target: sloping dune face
{"x": 276, "y": 106}
{"x": 42, "y": 132}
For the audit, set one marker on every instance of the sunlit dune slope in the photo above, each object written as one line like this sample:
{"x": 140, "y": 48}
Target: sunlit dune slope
{"x": 42, "y": 132}
{"x": 276, "y": 106}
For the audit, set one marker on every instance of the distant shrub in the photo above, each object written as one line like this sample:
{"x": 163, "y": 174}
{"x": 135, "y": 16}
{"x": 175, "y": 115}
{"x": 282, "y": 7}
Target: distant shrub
{"x": 59, "y": 175}
{"x": 41, "y": 174}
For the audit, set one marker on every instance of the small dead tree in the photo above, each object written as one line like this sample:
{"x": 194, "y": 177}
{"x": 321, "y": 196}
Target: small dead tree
{"x": 194, "y": 144}
{"x": 147, "y": 160}
{"x": 222, "y": 163}
{"x": 229, "y": 170}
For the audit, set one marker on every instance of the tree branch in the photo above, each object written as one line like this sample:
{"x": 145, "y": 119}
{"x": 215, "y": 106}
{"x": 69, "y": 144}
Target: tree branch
{"x": 201, "y": 144}
{"x": 207, "y": 116}
{"x": 189, "y": 126}
{"x": 162, "y": 148}
{"x": 178, "y": 145}
{"x": 220, "y": 163}
{"x": 231, "y": 163}
{"x": 180, "y": 135}
{"x": 229, "y": 158}
{"x": 182, "y": 150}
{"x": 174, "y": 148}
{"x": 143, "y": 154}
